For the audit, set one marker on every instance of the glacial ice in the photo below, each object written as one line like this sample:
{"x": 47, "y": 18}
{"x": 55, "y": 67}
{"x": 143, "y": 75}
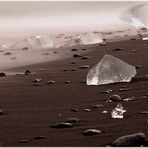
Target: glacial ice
{"x": 118, "y": 111}
{"x": 33, "y": 42}
{"x": 137, "y": 15}
{"x": 89, "y": 38}
{"x": 110, "y": 70}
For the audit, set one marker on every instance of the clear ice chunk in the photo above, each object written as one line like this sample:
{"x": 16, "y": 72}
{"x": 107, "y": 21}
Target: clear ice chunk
{"x": 118, "y": 111}
{"x": 110, "y": 70}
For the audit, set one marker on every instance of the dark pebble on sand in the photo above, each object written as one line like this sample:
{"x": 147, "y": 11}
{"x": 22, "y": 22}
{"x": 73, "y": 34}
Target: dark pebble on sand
{"x": 25, "y": 48}
{"x": 86, "y": 110}
{"x": 144, "y": 112}
{"x": 98, "y": 106}
{"x": 1, "y": 112}
{"x": 114, "y": 98}
{"x": 108, "y": 91}
{"x": 118, "y": 49}
{"x": 85, "y": 57}
{"x": 23, "y": 141}
{"x": 72, "y": 120}
{"x": 27, "y": 72}
{"x": 63, "y": 125}
{"x": 76, "y": 55}
{"x": 37, "y": 80}
{"x": 51, "y": 82}
{"x": 134, "y": 50}
{"x": 138, "y": 67}
{"x": 73, "y": 62}
{"x": 73, "y": 70}
{"x": 67, "y": 82}
{"x": 84, "y": 49}
{"x": 84, "y": 81}
{"x": 123, "y": 89}
{"x": 75, "y": 110}
{"x": 91, "y": 132}
{"x": 65, "y": 70}
{"x": 133, "y": 39}
{"x": 74, "y": 49}
{"x": 7, "y": 53}
{"x": 136, "y": 139}
{"x": 2, "y": 74}
{"x": 39, "y": 137}
{"x": 84, "y": 66}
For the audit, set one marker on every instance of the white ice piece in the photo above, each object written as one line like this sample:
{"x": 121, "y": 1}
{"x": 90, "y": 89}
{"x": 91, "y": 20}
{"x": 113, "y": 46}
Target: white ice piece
{"x": 118, "y": 111}
{"x": 110, "y": 70}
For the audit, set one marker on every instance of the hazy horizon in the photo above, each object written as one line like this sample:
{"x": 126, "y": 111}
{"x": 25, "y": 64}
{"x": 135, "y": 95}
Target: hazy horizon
{"x": 21, "y": 19}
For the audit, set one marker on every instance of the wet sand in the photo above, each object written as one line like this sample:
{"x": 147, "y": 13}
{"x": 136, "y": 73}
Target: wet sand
{"x": 30, "y": 111}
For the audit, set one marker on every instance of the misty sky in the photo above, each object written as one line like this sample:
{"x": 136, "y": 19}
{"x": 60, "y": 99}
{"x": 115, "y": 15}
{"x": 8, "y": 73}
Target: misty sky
{"x": 21, "y": 19}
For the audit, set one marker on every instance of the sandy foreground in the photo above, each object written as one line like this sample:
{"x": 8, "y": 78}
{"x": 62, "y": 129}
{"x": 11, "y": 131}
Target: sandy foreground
{"x": 30, "y": 111}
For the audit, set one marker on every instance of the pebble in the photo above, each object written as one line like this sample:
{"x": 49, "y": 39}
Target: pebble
{"x": 73, "y": 70}
{"x": 84, "y": 49}
{"x": 27, "y": 72}
{"x": 142, "y": 97}
{"x": 124, "y": 89}
{"x": 98, "y": 106}
{"x": 7, "y": 53}
{"x": 74, "y": 49}
{"x": 72, "y": 120}
{"x": 84, "y": 66}
{"x": 108, "y": 91}
{"x": 2, "y": 74}
{"x": 39, "y": 137}
{"x": 67, "y": 82}
{"x": 23, "y": 141}
{"x": 118, "y": 49}
{"x": 129, "y": 99}
{"x": 37, "y": 80}
{"x": 104, "y": 112}
{"x": 51, "y": 82}
{"x": 91, "y": 132}
{"x": 65, "y": 70}
{"x": 114, "y": 98}
{"x": 84, "y": 81}
{"x": 144, "y": 112}
{"x": 1, "y": 112}
{"x": 87, "y": 110}
{"x": 75, "y": 110}
{"x": 73, "y": 62}
{"x": 25, "y": 48}
{"x": 42, "y": 69}
{"x": 138, "y": 67}
{"x": 85, "y": 57}
{"x": 63, "y": 125}
{"x": 134, "y": 50}
{"x": 136, "y": 139}
{"x": 76, "y": 55}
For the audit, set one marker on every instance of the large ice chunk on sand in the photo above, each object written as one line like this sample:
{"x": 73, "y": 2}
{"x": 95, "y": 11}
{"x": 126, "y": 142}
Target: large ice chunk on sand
{"x": 110, "y": 70}
{"x": 89, "y": 38}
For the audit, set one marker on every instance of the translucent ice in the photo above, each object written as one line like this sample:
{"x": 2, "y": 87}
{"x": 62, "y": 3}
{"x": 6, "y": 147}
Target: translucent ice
{"x": 110, "y": 70}
{"x": 118, "y": 111}
{"x": 85, "y": 39}
{"x": 136, "y": 15}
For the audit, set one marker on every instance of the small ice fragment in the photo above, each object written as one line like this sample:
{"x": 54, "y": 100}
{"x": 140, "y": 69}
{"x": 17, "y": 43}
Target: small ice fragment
{"x": 118, "y": 111}
{"x": 146, "y": 38}
{"x": 110, "y": 70}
